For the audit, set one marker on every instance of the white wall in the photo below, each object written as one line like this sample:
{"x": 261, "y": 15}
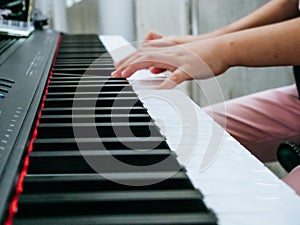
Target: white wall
{"x": 165, "y": 16}
{"x": 83, "y": 17}
{"x": 91, "y": 16}
{"x": 117, "y": 17}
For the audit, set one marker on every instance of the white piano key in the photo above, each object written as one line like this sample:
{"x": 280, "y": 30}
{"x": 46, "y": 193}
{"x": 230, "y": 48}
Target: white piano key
{"x": 279, "y": 203}
{"x": 256, "y": 188}
{"x": 288, "y": 218}
{"x": 236, "y": 187}
{"x": 117, "y": 46}
{"x": 228, "y": 160}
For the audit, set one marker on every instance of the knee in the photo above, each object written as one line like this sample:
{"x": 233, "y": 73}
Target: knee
{"x": 293, "y": 179}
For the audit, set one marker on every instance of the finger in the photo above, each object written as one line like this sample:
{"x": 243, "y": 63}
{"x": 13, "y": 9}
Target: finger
{"x": 156, "y": 70}
{"x": 130, "y": 70}
{"x": 122, "y": 61}
{"x": 138, "y": 64}
{"x": 157, "y": 43}
{"x": 127, "y": 59}
{"x": 130, "y": 59}
{"x": 143, "y": 60}
{"x": 152, "y": 35}
{"x": 172, "y": 81}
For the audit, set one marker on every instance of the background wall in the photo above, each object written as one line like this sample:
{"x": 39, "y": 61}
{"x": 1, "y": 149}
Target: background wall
{"x": 166, "y": 16}
{"x": 83, "y": 17}
{"x": 91, "y": 16}
{"x": 117, "y": 17}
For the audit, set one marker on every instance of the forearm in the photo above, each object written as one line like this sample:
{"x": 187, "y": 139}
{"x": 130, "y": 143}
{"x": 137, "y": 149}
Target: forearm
{"x": 272, "y": 45}
{"x": 272, "y": 12}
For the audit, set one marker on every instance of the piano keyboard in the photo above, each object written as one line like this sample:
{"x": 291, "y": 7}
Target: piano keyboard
{"x": 61, "y": 187}
{"x": 137, "y": 126}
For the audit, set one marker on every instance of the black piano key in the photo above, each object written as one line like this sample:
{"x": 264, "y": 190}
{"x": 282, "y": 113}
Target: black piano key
{"x": 197, "y": 218}
{"x": 80, "y": 37}
{"x": 77, "y": 50}
{"x": 104, "y": 57}
{"x": 90, "y": 88}
{"x": 94, "y": 130}
{"x": 111, "y": 202}
{"x": 70, "y": 74}
{"x": 79, "y": 67}
{"x": 53, "y": 183}
{"x": 102, "y": 60}
{"x": 94, "y": 110}
{"x": 96, "y": 71}
{"x": 90, "y": 94}
{"x": 65, "y": 162}
{"x": 88, "y": 82}
{"x": 79, "y": 56}
{"x": 85, "y": 44}
{"x": 94, "y": 64}
{"x": 94, "y": 101}
{"x": 88, "y": 118}
{"x": 81, "y": 46}
{"x": 71, "y": 43}
{"x": 70, "y": 144}
{"x": 88, "y": 78}
{"x": 91, "y": 66}
{"x": 81, "y": 41}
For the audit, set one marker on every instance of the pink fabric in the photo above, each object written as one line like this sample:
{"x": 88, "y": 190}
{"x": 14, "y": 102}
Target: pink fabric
{"x": 262, "y": 121}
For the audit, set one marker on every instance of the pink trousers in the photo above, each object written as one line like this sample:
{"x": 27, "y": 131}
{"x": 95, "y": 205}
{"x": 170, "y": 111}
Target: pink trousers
{"x": 262, "y": 121}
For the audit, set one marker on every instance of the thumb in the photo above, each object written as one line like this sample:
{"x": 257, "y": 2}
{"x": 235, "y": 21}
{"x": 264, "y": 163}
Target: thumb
{"x": 158, "y": 43}
{"x": 176, "y": 78}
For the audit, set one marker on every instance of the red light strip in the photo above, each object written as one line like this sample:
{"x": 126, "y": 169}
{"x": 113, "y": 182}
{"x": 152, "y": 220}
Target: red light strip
{"x": 14, "y": 204}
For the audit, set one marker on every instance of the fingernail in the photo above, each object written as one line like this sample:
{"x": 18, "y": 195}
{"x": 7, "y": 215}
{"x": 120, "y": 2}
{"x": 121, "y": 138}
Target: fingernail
{"x": 124, "y": 73}
{"x": 113, "y": 74}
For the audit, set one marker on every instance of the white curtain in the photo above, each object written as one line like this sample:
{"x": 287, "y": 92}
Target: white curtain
{"x": 117, "y": 17}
